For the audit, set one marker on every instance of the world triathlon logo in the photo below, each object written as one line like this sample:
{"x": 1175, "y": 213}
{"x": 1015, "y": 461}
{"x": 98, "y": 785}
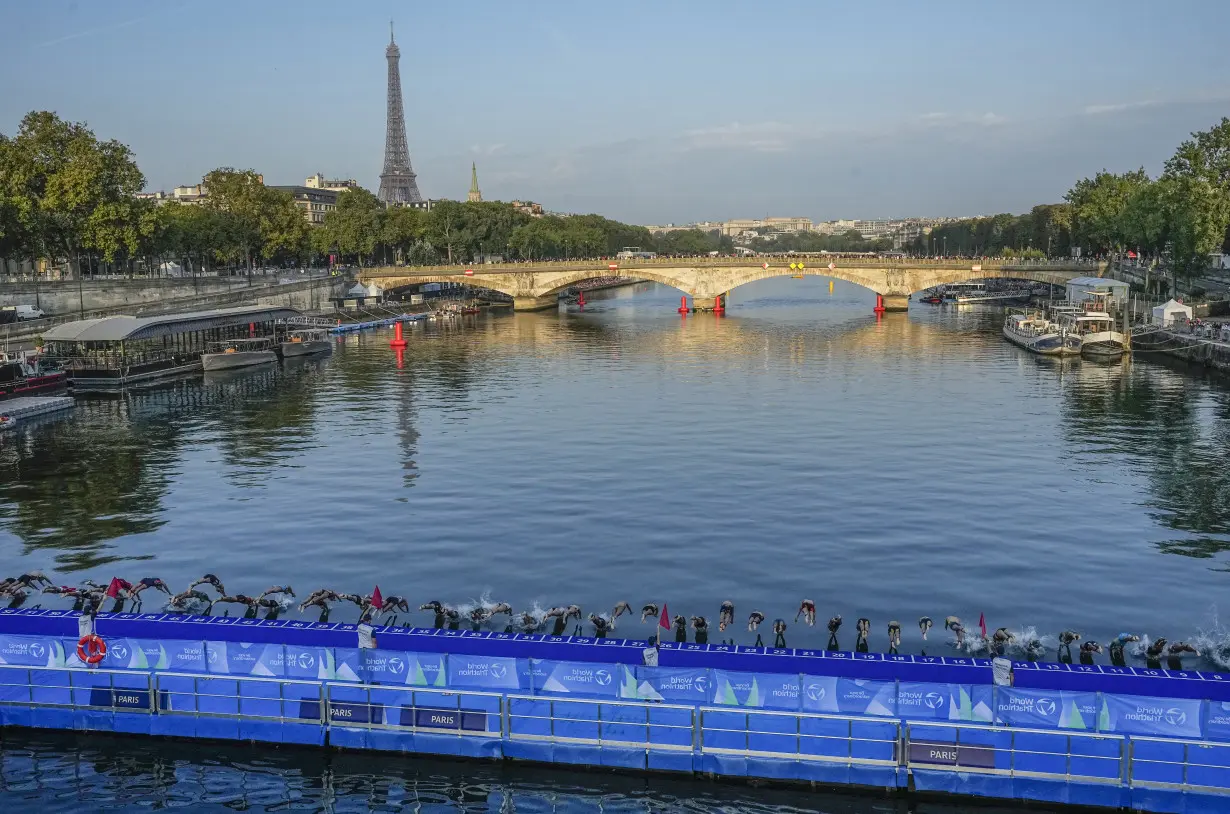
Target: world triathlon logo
{"x": 120, "y": 651}
{"x": 701, "y": 683}
{"x": 933, "y": 700}
{"x": 37, "y": 650}
{"x": 306, "y": 661}
{"x": 602, "y": 678}
{"x": 212, "y": 655}
{"x": 498, "y": 670}
{"x": 1045, "y": 707}
{"x": 1175, "y": 717}
{"x": 816, "y": 692}
{"x": 396, "y": 666}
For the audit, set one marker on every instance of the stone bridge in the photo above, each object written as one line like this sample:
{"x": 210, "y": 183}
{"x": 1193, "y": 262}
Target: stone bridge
{"x": 536, "y": 286}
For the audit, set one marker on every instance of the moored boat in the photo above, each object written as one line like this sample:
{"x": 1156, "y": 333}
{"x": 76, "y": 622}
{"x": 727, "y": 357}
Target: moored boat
{"x": 7, "y": 422}
{"x": 306, "y": 342}
{"x": 27, "y": 374}
{"x": 1094, "y": 325}
{"x": 238, "y": 353}
{"x": 1038, "y": 334}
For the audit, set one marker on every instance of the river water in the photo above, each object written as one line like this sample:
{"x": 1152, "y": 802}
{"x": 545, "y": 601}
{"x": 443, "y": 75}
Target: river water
{"x": 794, "y": 448}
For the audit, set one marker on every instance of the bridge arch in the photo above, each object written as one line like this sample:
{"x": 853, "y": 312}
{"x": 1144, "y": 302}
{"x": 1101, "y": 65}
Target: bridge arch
{"x": 558, "y": 283}
{"x": 740, "y": 277}
{"x": 930, "y": 279}
{"x": 501, "y": 285}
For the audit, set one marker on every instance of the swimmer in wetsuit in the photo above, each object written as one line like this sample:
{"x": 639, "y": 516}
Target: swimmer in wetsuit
{"x": 894, "y": 636}
{"x": 189, "y": 601}
{"x": 211, "y": 580}
{"x": 807, "y": 609}
{"x": 1066, "y": 639}
{"x": 863, "y": 628}
{"x": 1117, "y": 647}
{"x": 1088, "y": 650}
{"x": 726, "y": 615}
{"x": 601, "y": 626}
{"x": 834, "y": 626}
{"x": 1000, "y": 640}
{"x": 924, "y": 625}
{"x": 701, "y": 626}
{"x": 753, "y": 623}
{"x": 779, "y": 633}
{"x": 1176, "y": 652}
{"x": 681, "y": 629}
{"x": 1153, "y": 654}
{"x": 649, "y": 611}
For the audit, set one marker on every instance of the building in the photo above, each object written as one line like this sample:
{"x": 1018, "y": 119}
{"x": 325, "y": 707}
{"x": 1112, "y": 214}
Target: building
{"x": 529, "y": 208}
{"x": 475, "y": 196}
{"x": 398, "y": 186}
{"x": 318, "y": 181}
{"x": 315, "y": 203}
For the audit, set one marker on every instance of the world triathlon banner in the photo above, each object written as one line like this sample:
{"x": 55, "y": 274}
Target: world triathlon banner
{"x": 755, "y": 690}
{"x": 403, "y": 668}
{"x": 176, "y": 656}
{"x": 1052, "y": 709}
{"x": 246, "y": 659}
{"x": 674, "y": 685}
{"x": 1141, "y": 715}
{"x": 945, "y": 702}
{"x": 486, "y": 673}
{"x": 1217, "y": 721}
{"x": 595, "y": 680}
{"x": 849, "y": 696}
{"x": 32, "y": 651}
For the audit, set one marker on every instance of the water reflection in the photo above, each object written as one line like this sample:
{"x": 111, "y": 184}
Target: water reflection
{"x": 118, "y": 774}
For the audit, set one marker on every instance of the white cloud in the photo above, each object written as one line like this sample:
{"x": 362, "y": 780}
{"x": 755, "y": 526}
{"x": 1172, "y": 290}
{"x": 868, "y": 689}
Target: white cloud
{"x": 764, "y": 137}
{"x": 1099, "y": 110}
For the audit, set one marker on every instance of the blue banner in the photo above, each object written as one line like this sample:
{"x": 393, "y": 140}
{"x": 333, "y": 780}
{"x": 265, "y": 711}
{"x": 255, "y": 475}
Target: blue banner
{"x": 32, "y": 651}
{"x": 173, "y": 655}
{"x": 756, "y": 690}
{"x": 483, "y": 673}
{"x": 675, "y": 685}
{"x": 1217, "y": 721}
{"x": 310, "y": 663}
{"x": 245, "y": 659}
{"x": 944, "y": 702}
{"x": 400, "y": 667}
{"x": 578, "y": 678}
{"x": 1144, "y": 715}
{"x": 1055, "y": 709}
{"x": 849, "y": 696}
{"x": 347, "y": 664}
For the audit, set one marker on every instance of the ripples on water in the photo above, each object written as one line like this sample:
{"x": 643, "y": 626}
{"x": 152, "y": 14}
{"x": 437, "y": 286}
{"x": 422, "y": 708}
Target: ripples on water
{"x": 795, "y": 448}
{"x": 39, "y": 771}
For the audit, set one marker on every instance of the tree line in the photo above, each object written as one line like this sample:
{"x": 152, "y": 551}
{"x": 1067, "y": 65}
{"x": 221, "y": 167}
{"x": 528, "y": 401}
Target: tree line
{"x": 1178, "y": 218}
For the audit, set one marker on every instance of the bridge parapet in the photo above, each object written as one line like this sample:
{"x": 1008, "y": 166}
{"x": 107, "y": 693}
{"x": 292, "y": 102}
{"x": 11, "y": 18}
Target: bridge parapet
{"x": 532, "y": 285}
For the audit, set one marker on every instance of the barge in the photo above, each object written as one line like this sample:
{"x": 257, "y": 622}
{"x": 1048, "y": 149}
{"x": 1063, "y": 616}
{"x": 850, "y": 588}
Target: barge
{"x": 1116, "y": 737}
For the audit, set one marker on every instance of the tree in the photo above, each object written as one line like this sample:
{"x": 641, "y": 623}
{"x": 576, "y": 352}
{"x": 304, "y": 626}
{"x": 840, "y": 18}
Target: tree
{"x": 401, "y": 229}
{"x": 63, "y": 191}
{"x": 241, "y": 196}
{"x": 446, "y": 228}
{"x": 1099, "y": 205}
{"x": 1198, "y": 197}
{"x": 355, "y": 225}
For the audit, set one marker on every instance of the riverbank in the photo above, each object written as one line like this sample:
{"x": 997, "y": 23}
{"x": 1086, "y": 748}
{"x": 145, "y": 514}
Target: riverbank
{"x": 1191, "y": 350}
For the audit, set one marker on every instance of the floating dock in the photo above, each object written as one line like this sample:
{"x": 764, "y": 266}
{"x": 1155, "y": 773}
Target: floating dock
{"x": 31, "y": 406}
{"x": 353, "y": 327}
{"x": 1117, "y": 737}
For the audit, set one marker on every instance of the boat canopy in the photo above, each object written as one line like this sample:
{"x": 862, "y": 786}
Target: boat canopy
{"x": 126, "y": 329}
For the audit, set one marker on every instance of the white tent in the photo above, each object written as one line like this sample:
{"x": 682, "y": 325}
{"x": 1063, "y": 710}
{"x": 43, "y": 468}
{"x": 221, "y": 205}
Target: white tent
{"x": 1170, "y": 312}
{"x": 170, "y": 268}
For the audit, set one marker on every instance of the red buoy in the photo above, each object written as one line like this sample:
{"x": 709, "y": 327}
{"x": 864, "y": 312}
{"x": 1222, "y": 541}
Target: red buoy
{"x": 398, "y": 341}
{"x": 879, "y": 309}
{"x": 581, "y": 299}
{"x": 683, "y": 305}
{"x": 718, "y": 308}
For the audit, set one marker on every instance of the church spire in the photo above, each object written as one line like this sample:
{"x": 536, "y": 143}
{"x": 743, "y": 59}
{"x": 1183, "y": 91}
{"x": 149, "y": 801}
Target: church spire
{"x": 475, "y": 196}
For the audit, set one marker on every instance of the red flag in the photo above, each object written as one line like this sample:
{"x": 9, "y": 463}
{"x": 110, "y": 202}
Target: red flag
{"x": 377, "y": 599}
{"x": 113, "y": 590}
{"x": 982, "y": 625}
{"x": 664, "y": 623}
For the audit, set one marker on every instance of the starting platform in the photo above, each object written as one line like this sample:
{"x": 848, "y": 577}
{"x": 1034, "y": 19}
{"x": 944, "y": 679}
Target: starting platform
{"x": 31, "y": 406}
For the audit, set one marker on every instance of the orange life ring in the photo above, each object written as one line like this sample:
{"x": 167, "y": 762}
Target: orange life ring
{"x": 91, "y": 649}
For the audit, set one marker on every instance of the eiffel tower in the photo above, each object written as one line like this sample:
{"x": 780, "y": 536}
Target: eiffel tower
{"x": 397, "y": 183}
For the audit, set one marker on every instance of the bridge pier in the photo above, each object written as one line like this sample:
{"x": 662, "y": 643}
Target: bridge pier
{"x": 549, "y": 302}
{"x": 704, "y": 303}
{"x": 896, "y": 302}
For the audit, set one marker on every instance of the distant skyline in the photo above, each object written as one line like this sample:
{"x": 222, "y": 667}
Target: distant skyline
{"x": 648, "y": 113}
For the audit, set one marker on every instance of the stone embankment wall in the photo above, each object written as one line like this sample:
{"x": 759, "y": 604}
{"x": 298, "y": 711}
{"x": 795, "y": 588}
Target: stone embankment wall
{"x": 71, "y": 297}
{"x": 1183, "y": 347}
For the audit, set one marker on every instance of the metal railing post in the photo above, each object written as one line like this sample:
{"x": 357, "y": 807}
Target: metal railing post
{"x": 151, "y": 683}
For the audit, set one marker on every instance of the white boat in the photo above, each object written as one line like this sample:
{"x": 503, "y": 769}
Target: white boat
{"x": 1038, "y": 334}
{"x": 238, "y": 353}
{"x": 307, "y": 342}
{"x": 1094, "y": 325}
{"x": 7, "y": 422}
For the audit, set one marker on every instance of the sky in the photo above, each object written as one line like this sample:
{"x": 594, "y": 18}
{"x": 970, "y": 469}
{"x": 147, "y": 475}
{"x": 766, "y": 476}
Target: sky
{"x": 646, "y": 112}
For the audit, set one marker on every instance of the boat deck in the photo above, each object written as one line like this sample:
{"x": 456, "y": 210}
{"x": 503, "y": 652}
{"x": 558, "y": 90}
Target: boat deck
{"x": 29, "y": 406}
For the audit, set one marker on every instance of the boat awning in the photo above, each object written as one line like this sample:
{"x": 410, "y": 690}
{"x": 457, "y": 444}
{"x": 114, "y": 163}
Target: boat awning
{"x": 126, "y": 328}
